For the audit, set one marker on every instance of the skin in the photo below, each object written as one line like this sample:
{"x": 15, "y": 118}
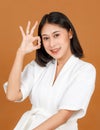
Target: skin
{"x": 56, "y": 41}
{"x": 27, "y": 46}
{"x": 58, "y": 47}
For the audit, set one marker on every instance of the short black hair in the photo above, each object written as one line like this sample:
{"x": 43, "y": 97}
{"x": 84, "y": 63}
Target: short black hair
{"x": 58, "y": 18}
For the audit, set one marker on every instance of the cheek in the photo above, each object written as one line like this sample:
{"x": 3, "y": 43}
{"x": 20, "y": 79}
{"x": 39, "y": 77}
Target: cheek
{"x": 45, "y": 44}
{"x": 67, "y": 40}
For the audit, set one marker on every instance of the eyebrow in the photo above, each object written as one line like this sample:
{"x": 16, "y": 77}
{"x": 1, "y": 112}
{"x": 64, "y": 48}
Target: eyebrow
{"x": 52, "y": 33}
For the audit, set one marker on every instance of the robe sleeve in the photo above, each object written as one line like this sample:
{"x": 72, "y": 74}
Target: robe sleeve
{"x": 78, "y": 96}
{"x": 27, "y": 80}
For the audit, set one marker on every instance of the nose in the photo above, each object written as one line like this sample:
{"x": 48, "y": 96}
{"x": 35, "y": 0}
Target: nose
{"x": 52, "y": 43}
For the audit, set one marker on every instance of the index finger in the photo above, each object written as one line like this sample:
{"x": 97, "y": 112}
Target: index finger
{"x": 33, "y": 28}
{"x": 22, "y": 31}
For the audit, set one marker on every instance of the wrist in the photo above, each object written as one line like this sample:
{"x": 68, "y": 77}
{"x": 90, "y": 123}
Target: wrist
{"x": 20, "y": 52}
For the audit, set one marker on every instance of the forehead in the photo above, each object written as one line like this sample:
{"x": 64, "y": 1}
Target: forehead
{"x": 50, "y": 28}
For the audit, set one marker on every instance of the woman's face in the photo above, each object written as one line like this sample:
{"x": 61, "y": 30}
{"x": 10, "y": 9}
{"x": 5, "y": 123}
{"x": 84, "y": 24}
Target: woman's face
{"x": 56, "y": 41}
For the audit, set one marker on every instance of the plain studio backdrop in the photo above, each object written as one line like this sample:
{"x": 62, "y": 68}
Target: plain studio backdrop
{"x": 84, "y": 15}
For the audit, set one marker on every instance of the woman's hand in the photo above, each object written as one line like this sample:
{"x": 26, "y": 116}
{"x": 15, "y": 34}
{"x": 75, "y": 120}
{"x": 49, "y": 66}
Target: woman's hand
{"x": 27, "y": 45}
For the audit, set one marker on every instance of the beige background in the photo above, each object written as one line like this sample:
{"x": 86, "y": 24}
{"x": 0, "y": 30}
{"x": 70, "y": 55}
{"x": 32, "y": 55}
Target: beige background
{"x": 85, "y": 16}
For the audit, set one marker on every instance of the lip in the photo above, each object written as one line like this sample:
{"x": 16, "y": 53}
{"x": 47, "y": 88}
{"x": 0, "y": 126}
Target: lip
{"x": 55, "y": 50}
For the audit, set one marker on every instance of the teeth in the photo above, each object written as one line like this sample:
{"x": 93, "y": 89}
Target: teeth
{"x": 55, "y": 50}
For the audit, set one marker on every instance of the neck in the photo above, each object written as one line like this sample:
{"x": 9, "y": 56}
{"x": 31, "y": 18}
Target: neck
{"x": 61, "y": 62}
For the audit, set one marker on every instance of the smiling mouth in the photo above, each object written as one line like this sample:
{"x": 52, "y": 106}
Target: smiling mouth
{"x": 55, "y": 51}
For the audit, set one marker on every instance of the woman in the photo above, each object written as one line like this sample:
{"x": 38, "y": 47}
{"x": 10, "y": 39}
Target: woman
{"x": 58, "y": 83}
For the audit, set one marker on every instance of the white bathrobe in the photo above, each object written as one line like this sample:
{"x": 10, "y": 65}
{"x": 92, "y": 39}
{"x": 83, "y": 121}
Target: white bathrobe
{"x": 72, "y": 90}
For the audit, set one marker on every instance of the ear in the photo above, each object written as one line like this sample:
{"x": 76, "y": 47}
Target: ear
{"x": 70, "y": 34}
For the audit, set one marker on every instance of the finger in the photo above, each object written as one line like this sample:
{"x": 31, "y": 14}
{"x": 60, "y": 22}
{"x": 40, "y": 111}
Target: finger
{"x": 38, "y": 44}
{"x": 33, "y": 28}
{"x": 22, "y": 31}
{"x": 28, "y": 27}
{"x": 37, "y": 47}
{"x": 37, "y": 40}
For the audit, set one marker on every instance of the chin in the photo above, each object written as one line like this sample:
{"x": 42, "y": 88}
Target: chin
{"x": 56, "y": 57}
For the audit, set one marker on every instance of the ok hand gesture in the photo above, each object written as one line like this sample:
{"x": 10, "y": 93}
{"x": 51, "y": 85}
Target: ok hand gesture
{"x": 27, "y": 45}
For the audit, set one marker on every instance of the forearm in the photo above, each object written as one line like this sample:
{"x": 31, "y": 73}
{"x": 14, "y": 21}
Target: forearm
{"x": 55, "y": 121}
{"x": 26, "y": 47}
{"x": 13, "y": 89}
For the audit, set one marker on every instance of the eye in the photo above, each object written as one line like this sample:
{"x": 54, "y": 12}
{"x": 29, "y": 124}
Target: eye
{"x": 45, "y": 38}
{"x": 56, "y": 35}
